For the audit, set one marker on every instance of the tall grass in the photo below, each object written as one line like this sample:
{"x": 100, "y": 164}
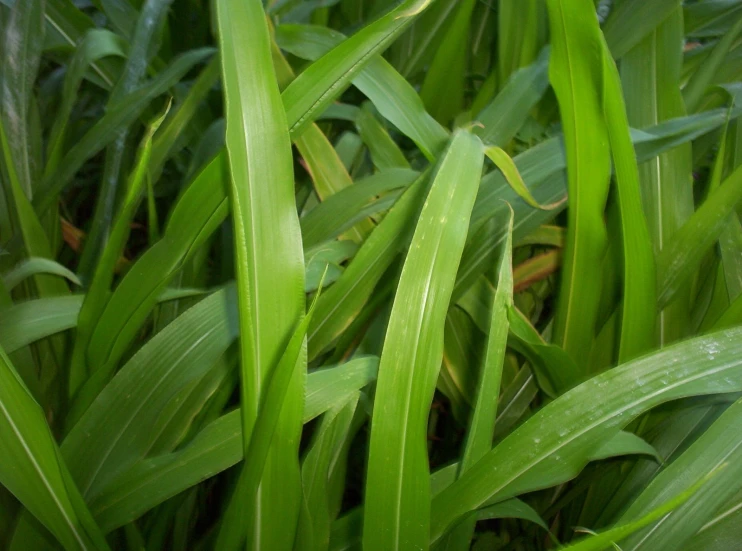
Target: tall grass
{"x": 370, "y": 274}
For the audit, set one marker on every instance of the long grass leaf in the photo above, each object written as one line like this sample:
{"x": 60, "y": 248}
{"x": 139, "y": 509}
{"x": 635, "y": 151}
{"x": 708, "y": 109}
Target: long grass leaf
{"x": 269, "y": 258}
{"x": 714, "y": 457}
{"x": 681, "y": 258}
{"x": 482, "y": 423}
{"x": 652, "y": 95}
{"x": 394, "y": 98}
{"x": 32, "y": 468}
{"x": 144, "y": 36}
{"x": 575, "y": 74}
{"x": 216, "y": 448}
{"x": 24, "y": 36}
{"x": 99, "y": 287}
{"x": 639, "y": 291}
{"x": 272, "y": 403}
{"x": 344, "y": 300}
{"x": 397, "y": 485}
{"x": 442, "y": 90}
{"x": 316, "y": 87}
{"x": 706, "y": 365}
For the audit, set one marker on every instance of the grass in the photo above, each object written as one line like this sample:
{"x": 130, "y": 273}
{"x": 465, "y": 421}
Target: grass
{"x": 370, "y": 274}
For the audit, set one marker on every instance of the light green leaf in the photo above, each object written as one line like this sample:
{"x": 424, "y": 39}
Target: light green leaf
{"x": 216, "y": 448}
{"x": 482, "y": 423}
{"x": 542, "y": 453}
{"x": 32, "y": 468}
{"x": 397, "y": 492}
{"x": 34, "y": 266}
{"x": 714, "y": 457}
{"x": 639, "y": 291}
{"x": 316, "y": 87}
{"x": 575, "y": 74}
{"x": 269, "y": 261}
{"x": 394, "y": 97}
{"x": 509, "y": 170}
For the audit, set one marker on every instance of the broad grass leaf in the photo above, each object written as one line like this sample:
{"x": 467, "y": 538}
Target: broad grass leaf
{"x": 394, "y": 98}
{"x": 33, "y": 470}
{"x": 652, "y": 96}
{"x": 575, "y": 74}
{"x": 719, "y": 446}
{"x": 34, "y": 266}
{"x": 639, "y": 286}
{"x": 531, "y": 457}
{"x": 481, "y": 426}
{"x": 506, "y": 113}
{"x": 397, "y": 491}
{"x": 107, "y": 439}
{"x": 216, "y": 448}
{"x": 269, "y": 265}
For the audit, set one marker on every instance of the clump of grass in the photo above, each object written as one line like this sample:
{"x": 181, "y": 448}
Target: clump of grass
{"x": 491, "y": 299}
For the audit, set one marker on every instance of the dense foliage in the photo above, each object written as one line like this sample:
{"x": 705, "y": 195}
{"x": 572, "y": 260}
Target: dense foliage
{"x": 371, "y": 274}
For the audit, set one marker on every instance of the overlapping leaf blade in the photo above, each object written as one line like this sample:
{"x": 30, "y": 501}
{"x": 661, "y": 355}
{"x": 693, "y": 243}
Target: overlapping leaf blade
{"x": 397, "y": 485}
{"x": 268, "y": 260}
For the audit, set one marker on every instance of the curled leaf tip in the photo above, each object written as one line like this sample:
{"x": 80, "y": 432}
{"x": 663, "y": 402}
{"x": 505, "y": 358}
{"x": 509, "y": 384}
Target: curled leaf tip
{"x": 509, "y": 170}
{"x": 415, "y": 9}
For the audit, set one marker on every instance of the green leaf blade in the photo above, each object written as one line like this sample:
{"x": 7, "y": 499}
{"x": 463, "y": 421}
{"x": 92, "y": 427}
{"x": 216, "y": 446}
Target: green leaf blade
{"x": 397, "y": 484}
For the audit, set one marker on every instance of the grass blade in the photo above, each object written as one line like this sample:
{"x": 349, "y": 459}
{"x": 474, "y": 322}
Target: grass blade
{"x": 639, "y": 292}
{"x": 120, "y": 115}
{"x": 652, "y": 95}
{"x": 95, "y": 45}
{"x": 99, "y": 287}
{"x": 575, "y": 74}
{"x": 216, "y": 448}
{"x": 143, "y": 38}
{"x": 394, "y": 98}
{"x": 269, "y": 258}
{"x": 32, "y": 468}
{"x": 546, "y": 456}
{"x": 713, "y": 458}
{"x": 34, "y": 266}
{"x": 505, "y": 115}
{"x": 681, "y": 258}
{"x": 24, "y": 36}
{"x": 698, "y": 84}
{"x": 482, "y": 423}
{"x": 397, "y": 485}
{"x": 631, "y": 21}
{"x": 608, "y": 538}
{"x": 442, "y": 90}
{"x": 344, "y": 300}
{"x": 325, "y": 79}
